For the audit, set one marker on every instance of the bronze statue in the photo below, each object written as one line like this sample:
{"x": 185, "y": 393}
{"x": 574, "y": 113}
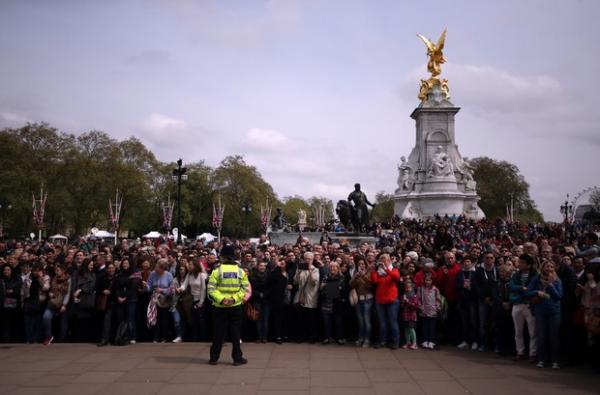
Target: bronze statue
{"x": 357, "y": 201}
{"x": 342, "y": 209}
{"x": 279, "y": 222}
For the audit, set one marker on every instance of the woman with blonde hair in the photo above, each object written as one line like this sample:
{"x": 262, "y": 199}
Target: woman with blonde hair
{"x": 159, "y": 286}
{"x": 385, "y": 280}
{"x": 545, "y": 291}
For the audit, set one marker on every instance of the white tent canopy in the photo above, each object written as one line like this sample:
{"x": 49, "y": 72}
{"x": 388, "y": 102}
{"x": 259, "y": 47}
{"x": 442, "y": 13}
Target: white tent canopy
{"x": 183, "y": 237}
{"x": 152, "y": 235}
{"x": 207, "y": 237}
{"x": 103, "y": 234}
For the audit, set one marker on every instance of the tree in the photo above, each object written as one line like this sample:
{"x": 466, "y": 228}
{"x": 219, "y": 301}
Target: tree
{"x": 595, "y": 199}
{"x": 30, "y": 157}
{"x": 80, "y": 174}
{"x": 384, "y": 207}
{"x": 500, "y": 184}
{"x": 293, "y": 204}
{"x": 197, "y": 199}
{"x": 592, "y": 215}
{"x": 314, "y": 203}
{"x": 238, "y": 182}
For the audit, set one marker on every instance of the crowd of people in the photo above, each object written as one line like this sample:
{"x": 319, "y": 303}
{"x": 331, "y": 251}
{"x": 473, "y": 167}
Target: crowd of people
{"x": 526, "y": 291}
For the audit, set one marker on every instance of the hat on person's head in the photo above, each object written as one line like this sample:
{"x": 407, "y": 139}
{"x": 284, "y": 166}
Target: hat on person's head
{"x": 412, "y": 255}
{"x": 228, "y": 251}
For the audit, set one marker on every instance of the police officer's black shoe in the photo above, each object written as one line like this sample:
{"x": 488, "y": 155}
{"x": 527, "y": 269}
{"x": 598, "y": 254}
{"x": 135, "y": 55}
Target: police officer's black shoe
{"x": 241, "y": 361}
{"x": 213, "y": 362}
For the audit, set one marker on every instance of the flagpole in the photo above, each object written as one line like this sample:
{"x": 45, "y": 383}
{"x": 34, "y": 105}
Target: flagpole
{"x": 116, "y": 208}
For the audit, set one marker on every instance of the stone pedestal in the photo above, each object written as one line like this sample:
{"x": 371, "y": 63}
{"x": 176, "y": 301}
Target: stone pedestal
{"x": 353, "y": 239}
{"x": 435, "y": 179}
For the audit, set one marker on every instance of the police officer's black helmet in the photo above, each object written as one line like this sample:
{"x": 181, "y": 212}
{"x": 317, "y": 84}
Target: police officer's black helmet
{"x": 228, "y": 252}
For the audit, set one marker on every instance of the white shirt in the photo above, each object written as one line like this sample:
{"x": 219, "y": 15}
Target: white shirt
{"x": 197, "y": 286}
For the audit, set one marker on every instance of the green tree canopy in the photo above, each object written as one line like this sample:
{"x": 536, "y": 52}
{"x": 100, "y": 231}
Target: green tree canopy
{"x": 293, "y": 204}
{"x": 81, "y": 173}
{"x": 384, "y": 207}
{"x": 237, "y": 182}
{"x": 498, "y": 184}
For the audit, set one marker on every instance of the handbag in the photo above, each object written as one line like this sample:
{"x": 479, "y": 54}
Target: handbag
{"x": 593, "y": 322}
{"x": 122, "y": 334}
{"x": 287, "y": 296}
{"x": 55, "y": 302}
{"x": 353, "y": 297}
{"x": 101, "y": 302}
{"x": 163, "y": 301}
{"x": 251, "y": 312}
{"x": 10, "y": 303}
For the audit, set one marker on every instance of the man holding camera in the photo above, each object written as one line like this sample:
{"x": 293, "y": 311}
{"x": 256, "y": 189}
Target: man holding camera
{"x": 307, "y": 297}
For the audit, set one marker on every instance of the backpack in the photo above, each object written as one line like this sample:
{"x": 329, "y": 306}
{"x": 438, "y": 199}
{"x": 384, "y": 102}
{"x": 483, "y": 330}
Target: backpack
{"x": 122, "y": 335}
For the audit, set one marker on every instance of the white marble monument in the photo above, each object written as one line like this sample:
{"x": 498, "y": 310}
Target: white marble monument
{"x": 435, "y": 179}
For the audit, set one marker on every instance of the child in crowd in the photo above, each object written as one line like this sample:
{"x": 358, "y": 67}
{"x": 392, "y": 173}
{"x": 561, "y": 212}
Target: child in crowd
{"x": 410, "y": 306}
{"x": 430, "y": 305}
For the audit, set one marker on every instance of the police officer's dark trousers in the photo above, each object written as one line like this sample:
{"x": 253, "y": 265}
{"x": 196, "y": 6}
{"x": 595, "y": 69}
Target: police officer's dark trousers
{"x": 226, "y": 319}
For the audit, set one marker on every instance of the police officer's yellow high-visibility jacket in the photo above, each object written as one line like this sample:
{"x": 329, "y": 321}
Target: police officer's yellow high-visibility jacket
{"x": 228, "y": 281}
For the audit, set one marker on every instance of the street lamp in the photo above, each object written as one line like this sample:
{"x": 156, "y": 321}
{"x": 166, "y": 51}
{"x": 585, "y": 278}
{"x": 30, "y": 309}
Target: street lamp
{"x": 566, "y": 209}
{"x": 179, "y": 176}
{"x": 246, "y": 209}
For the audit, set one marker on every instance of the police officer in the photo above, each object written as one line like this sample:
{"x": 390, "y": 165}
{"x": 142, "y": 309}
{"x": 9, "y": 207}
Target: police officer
{"x": 227, "y": 286}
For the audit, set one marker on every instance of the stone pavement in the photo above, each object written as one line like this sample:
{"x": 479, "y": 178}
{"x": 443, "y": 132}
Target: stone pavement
{"x": 139, "y": 369}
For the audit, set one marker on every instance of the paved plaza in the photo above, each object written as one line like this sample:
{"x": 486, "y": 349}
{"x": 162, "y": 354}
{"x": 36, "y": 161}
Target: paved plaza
{"x": 290, "y": 368}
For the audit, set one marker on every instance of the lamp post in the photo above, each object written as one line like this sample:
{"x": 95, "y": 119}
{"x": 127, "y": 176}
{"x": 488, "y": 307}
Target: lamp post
{"x": 246, "y": 209}
{"x": 39, "y": 209}
{"x": 178, "y": 176}
{"x": 566, "y": 209}
{"x": 217, "y": 220}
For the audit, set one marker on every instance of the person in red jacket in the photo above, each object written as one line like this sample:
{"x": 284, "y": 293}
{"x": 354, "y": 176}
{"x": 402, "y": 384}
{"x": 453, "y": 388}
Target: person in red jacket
{"x": 428, "y": 269}
{"x": 446, "y": 278}
{"x": 386, "y": 279}
{"x": 446, "y": 282}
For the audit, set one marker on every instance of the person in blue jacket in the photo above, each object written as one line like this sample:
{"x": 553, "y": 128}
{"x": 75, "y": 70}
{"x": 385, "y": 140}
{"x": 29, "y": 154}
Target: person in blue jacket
{"x": 545, "y": 292}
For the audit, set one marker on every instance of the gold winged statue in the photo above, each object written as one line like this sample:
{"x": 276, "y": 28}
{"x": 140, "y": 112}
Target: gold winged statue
{"x": 434, "y": 51}
{"x": 436, "y": 59}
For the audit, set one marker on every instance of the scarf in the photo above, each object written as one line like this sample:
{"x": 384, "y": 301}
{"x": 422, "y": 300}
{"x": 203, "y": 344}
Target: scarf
{"x": 152, "y": 312}
{"x": 60, "y": 286}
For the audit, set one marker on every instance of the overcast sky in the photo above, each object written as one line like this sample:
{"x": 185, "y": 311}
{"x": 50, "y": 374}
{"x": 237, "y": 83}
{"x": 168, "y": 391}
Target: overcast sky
{"x": 316, "y": 94}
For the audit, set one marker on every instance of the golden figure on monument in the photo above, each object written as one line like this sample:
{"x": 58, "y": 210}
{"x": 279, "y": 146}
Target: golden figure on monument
{"x": 436, "y": 59}
{"x": 434, "y": 51}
